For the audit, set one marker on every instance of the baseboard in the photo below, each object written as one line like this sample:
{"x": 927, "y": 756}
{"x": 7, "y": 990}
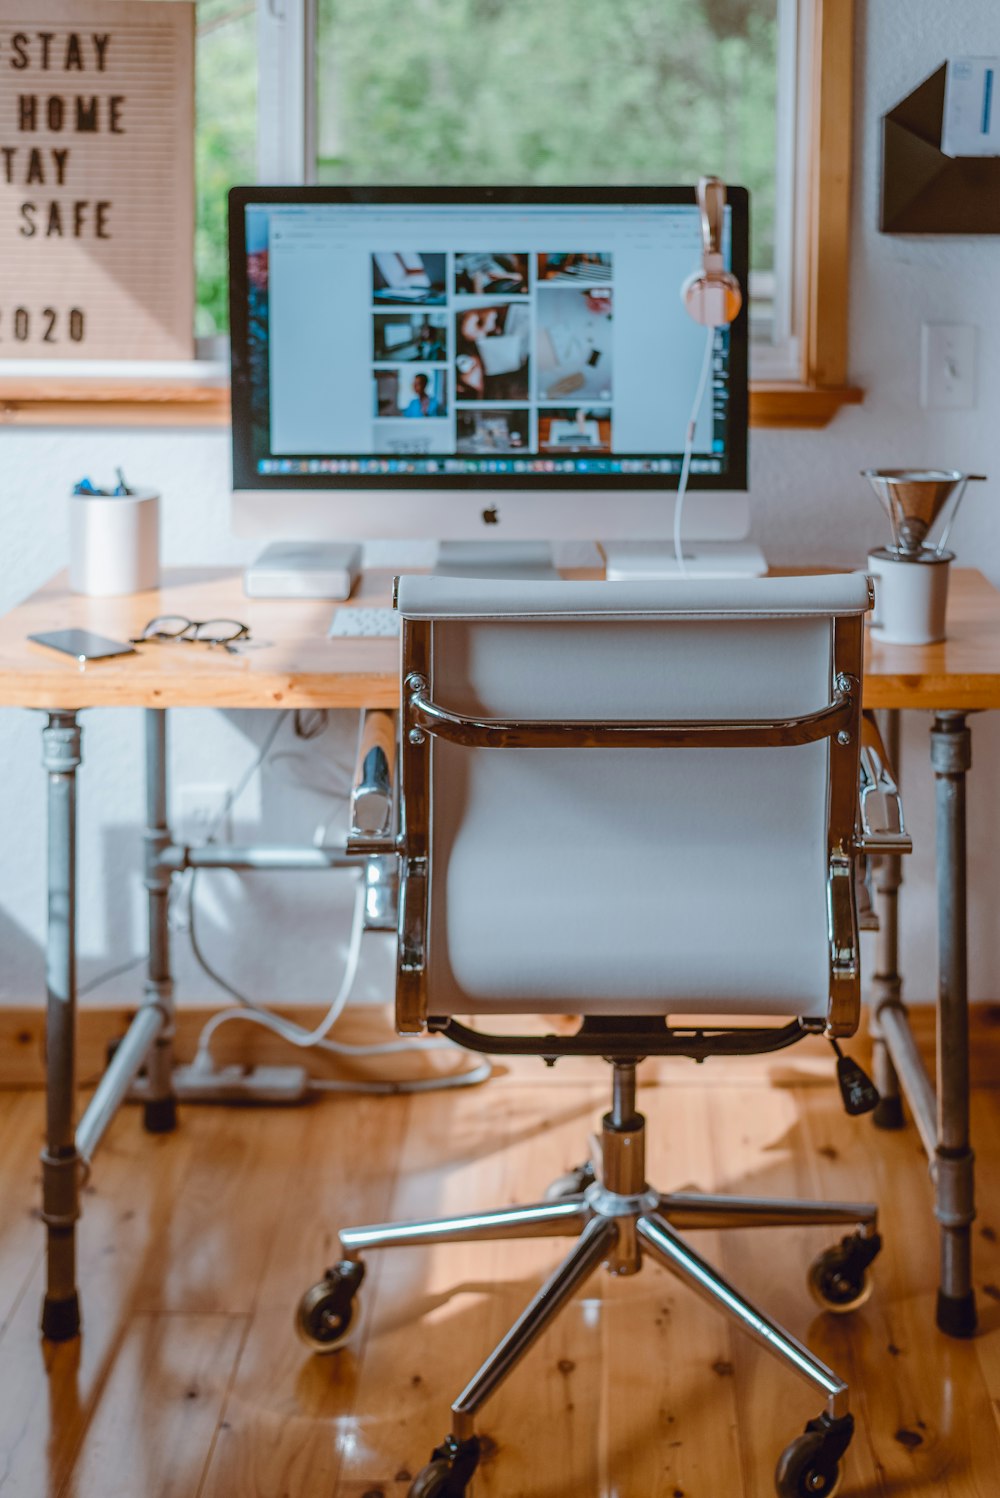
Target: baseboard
{"x": 22, "y": 1046}
{"x": 22, "y": 1043}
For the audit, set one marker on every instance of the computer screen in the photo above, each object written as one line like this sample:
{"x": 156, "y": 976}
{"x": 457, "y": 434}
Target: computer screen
{"x": 469, "y": 340}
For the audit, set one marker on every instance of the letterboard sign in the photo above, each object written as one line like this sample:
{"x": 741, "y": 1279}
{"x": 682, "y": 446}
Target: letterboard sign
{"x": 96, "y": 179}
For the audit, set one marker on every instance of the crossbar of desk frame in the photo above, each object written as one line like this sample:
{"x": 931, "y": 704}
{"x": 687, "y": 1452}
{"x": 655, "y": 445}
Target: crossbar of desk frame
{"x": 148, "y": 1042}
{"x": 177, "y": 857}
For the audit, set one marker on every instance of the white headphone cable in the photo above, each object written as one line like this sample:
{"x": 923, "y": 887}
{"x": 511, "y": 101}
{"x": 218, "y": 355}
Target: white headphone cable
{"x": 682, "y": 482}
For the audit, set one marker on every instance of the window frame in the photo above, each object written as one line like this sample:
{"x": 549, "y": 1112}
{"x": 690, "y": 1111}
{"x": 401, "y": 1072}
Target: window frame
{"x": 803, "y": 389}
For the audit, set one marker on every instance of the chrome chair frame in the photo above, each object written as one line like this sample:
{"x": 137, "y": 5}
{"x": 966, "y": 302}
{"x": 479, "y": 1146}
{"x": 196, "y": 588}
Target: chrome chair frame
{"x": 615, "y": 1216}
{"x": 422, "y": 719}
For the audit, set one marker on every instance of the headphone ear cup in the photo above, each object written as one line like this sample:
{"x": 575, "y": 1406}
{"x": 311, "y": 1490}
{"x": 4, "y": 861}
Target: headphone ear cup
{"x": 712, "y": 298}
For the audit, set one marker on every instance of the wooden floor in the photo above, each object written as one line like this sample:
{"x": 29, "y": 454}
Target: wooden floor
{"x": 188, "y": 1381}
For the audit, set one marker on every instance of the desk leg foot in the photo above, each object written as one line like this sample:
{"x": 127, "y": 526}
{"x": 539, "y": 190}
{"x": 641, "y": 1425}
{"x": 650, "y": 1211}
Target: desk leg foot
{"x": 888, "y": 1113}
{"x": 61, "y": 757}
{"x": 956, "y": 1314}
{"x": 159, "y": 1115}
{"x": 160, "y": 1109}
{"x": 61, "y": 1318}
{"x": 954, "y": 1179}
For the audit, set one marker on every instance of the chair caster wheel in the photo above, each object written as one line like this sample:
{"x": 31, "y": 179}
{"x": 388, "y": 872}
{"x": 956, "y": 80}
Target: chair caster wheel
{"x": 325, "y": 1315}
{"x": 433, "y": 1481}
{"x": 809, "y": 1466}
{"x": 449, "y": 1472}
{"x": 839, "y": 1280}
{"x": 573, "y": 1183}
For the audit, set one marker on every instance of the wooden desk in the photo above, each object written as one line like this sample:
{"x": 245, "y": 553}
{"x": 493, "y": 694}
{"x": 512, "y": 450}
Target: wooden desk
{"x": 290, "y": 663}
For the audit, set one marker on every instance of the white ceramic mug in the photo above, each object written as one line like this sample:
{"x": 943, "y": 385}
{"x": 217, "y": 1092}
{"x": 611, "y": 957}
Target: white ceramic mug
{"x": 911, "y": 596}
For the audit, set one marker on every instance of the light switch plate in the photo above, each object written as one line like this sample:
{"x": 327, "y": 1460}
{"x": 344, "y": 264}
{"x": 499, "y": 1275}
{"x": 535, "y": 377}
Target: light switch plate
{"x": 947, "y": 366}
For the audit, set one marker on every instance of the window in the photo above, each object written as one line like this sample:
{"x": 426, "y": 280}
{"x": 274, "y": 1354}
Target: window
{"x": 510, "y": 89}
{"x": 639, "y": 91}
{"x": 566, "y": 91}
{"x": 225, "y": 142}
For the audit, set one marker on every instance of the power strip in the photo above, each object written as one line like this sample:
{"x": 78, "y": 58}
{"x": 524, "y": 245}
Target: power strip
{"x": 233, "y": 1084}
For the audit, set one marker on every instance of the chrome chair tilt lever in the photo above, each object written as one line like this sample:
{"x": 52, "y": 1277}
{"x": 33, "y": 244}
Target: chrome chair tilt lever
{"x": 648, "y": 727}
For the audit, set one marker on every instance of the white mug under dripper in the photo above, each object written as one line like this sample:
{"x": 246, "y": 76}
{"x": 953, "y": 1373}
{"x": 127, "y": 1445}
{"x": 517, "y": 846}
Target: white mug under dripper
{"x": 911, "y": 596}
{"x": 911, "y": 579}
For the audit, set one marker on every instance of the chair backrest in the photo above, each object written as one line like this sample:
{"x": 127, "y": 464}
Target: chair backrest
{"x": 700, "y": 865}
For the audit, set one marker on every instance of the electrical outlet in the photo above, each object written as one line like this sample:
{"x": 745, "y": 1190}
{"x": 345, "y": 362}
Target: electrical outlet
{"x": 196, "y": 815}
{"x": 947, "y": 366}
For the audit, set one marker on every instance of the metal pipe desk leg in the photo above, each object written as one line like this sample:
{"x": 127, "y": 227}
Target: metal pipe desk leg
{"x": 61, "y": 757}
{"x": 954, "y": 1185}
{"x": 160, "y": 1107}
{"x": 887, "y": 985}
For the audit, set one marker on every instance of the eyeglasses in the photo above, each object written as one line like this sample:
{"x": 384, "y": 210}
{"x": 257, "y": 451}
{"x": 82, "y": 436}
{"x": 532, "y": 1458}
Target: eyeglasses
{"x": 169, "y": 627}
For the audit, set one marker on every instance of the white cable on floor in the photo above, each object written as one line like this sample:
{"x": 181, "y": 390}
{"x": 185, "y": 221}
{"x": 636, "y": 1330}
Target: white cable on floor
{"x": 480, "y": 1073}
{"x": 682, "y": 483}
{"x": 295, "y": 1035}
{"x": 254, "y": 1013}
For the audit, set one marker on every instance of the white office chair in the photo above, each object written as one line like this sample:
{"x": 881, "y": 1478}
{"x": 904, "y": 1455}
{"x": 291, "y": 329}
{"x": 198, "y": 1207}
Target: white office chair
{"x": 628, "y": 801}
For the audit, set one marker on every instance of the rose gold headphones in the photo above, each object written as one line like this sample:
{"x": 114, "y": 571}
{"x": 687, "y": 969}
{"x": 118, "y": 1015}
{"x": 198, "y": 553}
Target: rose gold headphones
{"x": 712, "y": 294}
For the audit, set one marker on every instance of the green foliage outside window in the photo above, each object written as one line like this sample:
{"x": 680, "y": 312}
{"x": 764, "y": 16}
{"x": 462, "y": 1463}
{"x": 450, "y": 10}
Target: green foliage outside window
{"x": 533, "y": 91}
{"x": 551, "y": 91}
{"x": 225, "y": 143}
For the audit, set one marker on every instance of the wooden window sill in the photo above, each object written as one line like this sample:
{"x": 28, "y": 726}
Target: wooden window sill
{"x": 777, "y": 403}
{"x": 63, "y": 401}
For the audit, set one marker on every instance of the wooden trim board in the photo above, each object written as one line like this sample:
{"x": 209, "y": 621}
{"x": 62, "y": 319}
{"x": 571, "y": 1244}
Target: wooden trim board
{"x": 42, "y": 401}
{"x": 22, "y": 1048}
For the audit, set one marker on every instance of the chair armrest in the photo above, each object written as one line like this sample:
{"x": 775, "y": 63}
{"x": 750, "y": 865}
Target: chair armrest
{"x": 880, "y": 806}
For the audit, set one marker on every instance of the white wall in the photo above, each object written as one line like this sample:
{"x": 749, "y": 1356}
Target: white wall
{"x": 283, "y": 936}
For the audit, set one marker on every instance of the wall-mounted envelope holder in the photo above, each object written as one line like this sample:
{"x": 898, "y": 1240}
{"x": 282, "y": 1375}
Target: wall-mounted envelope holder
{"x": 924, "y": 191}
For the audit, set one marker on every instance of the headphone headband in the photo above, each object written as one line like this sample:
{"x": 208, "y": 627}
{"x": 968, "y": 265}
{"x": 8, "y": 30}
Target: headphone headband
{"x": 712, "y": 295}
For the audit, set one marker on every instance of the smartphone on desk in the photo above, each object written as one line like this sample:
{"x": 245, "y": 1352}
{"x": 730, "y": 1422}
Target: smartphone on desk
{"x": 83, "y": 644}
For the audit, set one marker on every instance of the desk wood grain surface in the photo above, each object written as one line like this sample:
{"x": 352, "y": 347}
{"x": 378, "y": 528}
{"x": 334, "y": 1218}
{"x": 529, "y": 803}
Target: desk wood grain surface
{"x": 290, "y": 662}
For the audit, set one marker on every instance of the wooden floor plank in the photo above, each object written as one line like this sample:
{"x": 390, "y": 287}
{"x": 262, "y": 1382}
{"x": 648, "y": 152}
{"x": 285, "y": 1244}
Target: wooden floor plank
{"x": 758, "y": 1144}
{"x": 159, "y": 1408}
{"x": 438, "y": 1313}
{"x": 289, "y": 1413}
{"x": 924, "y": 1437}
{"x": 670, "y": 1414}
{"x": 219, "y": 1231}
{"x": 20, "y": 1189}
{"x": 50, "y": 1392}
{"x": 637, "y": 1391}
{"x": 986, "y": 1241}
{"x": 171, "y": 1223}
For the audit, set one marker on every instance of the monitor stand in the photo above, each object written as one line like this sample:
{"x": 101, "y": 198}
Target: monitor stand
{"x": 653, "y": 561}
{"x": 529, "y": 560}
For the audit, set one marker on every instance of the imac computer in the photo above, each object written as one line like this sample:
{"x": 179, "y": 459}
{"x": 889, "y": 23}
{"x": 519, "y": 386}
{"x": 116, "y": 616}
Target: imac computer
{"x": 486, "y": 365}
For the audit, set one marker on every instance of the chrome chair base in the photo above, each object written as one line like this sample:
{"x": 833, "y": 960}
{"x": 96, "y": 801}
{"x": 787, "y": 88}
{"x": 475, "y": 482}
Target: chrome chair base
{"x": 618, "y": 1221}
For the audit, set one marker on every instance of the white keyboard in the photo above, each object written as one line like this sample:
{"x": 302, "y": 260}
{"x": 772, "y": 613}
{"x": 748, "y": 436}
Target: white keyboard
{"x": 370, "y": 623}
